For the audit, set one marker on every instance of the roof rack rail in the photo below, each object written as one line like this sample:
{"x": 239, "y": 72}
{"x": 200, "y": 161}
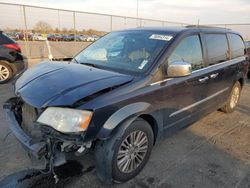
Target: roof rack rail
{"x": 206, "y": 26}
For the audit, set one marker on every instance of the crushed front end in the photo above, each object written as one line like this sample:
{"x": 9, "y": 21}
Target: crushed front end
{"x": 46, "y": 147}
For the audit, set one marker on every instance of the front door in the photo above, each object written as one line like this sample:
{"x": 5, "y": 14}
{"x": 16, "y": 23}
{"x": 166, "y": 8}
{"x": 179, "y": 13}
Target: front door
{"x": 185, "y": 96}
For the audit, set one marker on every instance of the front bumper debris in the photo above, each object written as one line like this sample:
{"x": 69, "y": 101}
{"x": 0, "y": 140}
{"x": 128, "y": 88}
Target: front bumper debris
{"x": 35, "y": 150}
{"x": 52, "y": 150}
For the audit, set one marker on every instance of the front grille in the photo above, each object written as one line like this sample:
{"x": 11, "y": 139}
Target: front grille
{"x": 29, "y": 115}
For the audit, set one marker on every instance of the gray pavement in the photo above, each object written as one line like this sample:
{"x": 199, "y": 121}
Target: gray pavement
{"x": 59, "y": 49}
{"x": 214, "y": 152}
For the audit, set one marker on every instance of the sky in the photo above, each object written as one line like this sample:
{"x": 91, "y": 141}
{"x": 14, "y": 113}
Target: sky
{"x": 187, "y": 11}
{"x": 207, "y": 11}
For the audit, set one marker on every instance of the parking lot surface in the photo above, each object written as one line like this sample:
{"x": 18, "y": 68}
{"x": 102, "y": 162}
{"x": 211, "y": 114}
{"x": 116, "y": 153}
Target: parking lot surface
{"x": 214, "y": 152}
{"x": 59, "y": 49}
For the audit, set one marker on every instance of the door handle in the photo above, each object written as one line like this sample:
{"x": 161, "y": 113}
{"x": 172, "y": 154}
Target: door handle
{"x": 214, "y": 75}
{"x": 203, "y": 79}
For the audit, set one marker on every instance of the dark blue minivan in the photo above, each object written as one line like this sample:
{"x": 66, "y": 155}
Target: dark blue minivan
{"x": 124, "y": 93}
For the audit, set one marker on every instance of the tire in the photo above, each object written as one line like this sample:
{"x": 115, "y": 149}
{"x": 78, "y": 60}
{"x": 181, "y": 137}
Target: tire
{"x": 6, "y": 72}
{"x": 233, "y": 99}
{"x": 106, "y": 152}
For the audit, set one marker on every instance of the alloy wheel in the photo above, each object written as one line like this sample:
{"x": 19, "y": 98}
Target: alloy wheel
{"x": 132, "y": 151}
{"x": 4, "y": 73}
{"x": 235, "y": 97}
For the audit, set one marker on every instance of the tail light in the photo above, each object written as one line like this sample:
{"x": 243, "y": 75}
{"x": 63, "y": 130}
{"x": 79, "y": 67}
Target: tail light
{"x": 13, "y": 46}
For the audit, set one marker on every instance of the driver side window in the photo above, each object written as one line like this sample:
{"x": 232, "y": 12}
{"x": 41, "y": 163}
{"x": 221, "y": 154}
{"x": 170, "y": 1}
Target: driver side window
{"x": 188, "y": 50}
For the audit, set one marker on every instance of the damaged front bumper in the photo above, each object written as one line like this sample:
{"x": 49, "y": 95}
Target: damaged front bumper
{"x": 52, "y": 148}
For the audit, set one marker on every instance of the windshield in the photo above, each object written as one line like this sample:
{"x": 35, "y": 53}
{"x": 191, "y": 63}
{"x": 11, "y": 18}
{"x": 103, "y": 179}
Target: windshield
{"x": 127, "y": 51}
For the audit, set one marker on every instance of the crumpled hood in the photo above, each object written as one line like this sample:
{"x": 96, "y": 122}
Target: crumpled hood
{"x": 62, "y": 84}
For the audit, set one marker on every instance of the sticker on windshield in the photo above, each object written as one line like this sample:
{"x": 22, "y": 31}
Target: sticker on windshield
{"x": 142, "y": 65}
{"x": 161, "y": 37}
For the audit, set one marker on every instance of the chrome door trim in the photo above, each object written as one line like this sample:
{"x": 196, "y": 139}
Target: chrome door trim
{"x": 198, "y": 103}
{"x": 155, "y": 83}
{"x": 204, "y": 79}
{"x": 213, "y": 76}
{"x": 231, "y": 62}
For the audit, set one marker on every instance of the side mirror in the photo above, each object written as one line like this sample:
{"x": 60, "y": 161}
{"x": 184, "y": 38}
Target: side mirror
{"x": 179, "y": 69}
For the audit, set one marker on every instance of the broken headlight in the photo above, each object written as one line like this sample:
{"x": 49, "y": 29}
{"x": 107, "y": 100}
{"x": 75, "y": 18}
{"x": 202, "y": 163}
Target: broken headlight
{"x": 65, "y": 119}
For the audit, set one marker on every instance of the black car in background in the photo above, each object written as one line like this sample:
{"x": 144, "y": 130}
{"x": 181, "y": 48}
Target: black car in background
{"x": 12, "y": 62}
{"x": 124, "y": 93}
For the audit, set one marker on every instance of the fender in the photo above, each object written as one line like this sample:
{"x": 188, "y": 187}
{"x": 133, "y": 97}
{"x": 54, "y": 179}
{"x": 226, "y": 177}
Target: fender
{"x": 130, "y": 112}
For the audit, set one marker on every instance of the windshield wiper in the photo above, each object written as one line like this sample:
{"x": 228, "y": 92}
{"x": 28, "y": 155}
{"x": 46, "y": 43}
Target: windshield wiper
{"x": 90, "y": 64}
{"x": 74, "y": 59}
{"x": 87, "y": 64}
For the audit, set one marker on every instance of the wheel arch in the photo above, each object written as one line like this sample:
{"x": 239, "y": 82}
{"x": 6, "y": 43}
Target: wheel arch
{"x": 7, "y": 62}
{"x": 123, "y": 117}
{"x": 240, "y": 78}
{"x": 152, "y": 122}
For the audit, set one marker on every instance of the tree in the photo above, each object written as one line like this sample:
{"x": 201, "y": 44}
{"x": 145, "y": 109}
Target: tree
{"x": 64, "y": 30}
{"x": 57, "y": 30}
{"x": 42, "y": 27}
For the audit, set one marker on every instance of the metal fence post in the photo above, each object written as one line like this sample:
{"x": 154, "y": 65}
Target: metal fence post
{"x": 25, "y": 33}
{"x": 74, "y": 20}
{"x": 111, "y": 23}
{"x": 59, "y": 24}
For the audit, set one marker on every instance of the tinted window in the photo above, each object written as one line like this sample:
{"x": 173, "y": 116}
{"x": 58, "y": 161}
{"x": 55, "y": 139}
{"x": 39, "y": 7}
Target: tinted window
{"x": 237, "y": 45}
{"x": 5, "y": 40}
{"x": 217, "y": 48}
{"x": 188, "y": 50}
{"x": 131, "y": 52}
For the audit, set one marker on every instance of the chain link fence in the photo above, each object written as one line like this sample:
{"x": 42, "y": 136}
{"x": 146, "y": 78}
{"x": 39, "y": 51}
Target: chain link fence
{"x": 54, "y": 33}
{"x": 47, "y": 32}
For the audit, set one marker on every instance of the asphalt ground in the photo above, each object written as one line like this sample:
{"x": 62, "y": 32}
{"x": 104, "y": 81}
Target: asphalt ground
{"x": 58, "y": 49}
{"x": 214, "y": 152}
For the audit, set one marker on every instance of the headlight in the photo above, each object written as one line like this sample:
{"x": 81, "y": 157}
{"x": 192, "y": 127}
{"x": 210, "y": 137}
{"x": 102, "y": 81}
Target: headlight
{"x": 66, "y": 119}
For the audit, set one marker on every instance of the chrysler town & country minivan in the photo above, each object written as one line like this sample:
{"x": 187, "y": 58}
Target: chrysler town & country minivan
{"x": 124, "y": 93}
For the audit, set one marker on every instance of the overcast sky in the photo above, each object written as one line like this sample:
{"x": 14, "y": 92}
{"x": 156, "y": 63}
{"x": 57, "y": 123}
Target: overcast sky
{"x": 208, "y": 11}
{"x": 186, "y": 11}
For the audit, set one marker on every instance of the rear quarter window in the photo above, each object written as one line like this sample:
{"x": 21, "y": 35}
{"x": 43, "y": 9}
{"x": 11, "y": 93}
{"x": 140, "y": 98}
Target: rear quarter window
{"x": 217, "y": 48}
{"x": 237, "y": 46}
{"x": 5, "y": 40}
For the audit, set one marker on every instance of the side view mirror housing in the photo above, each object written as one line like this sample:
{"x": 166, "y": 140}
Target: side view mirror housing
{"x": 179, "y": 69}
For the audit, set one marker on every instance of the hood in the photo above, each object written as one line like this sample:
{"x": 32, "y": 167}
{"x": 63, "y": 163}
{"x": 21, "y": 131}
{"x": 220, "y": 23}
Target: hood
{"x": 62, "y": 84}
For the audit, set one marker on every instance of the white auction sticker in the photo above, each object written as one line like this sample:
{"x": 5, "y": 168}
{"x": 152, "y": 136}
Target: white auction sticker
{"x": 144, "y": 62}
{"x": 161, "y": 37}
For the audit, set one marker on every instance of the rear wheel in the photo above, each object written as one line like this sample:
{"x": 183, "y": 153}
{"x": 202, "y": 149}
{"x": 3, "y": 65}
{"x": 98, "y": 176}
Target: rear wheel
{"x": 125, "y": 154}
{"x": 233, "y": 99}
{"x": 5, "y": 72}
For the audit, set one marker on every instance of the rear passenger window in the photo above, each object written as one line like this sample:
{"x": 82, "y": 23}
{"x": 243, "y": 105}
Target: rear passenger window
{"x": 188, "y": 50}
{"x": 217, "y": 48}
{"x": 237, "y": 45}
{"x": 4, "y": 39}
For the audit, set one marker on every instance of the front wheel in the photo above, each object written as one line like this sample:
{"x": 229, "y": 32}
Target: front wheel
{"x": 125, "y": 154}
{"x": 233, "y": 99}
{"x": 5, "y": 72}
